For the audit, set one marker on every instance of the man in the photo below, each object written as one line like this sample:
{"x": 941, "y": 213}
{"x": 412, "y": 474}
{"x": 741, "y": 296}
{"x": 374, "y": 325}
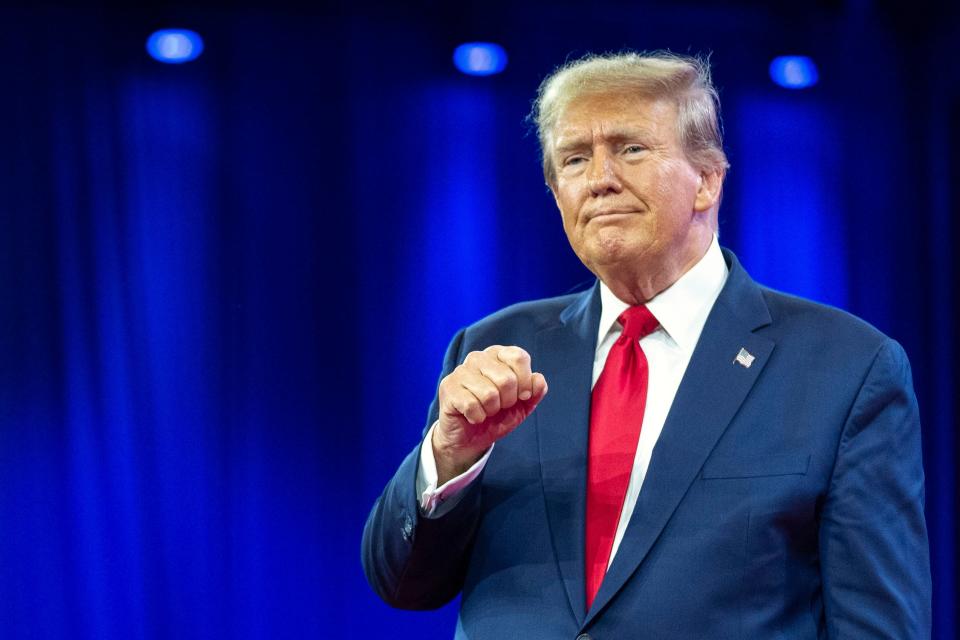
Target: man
{"x": 676, "y": 453}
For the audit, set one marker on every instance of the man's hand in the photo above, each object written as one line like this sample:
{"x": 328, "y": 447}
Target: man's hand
{"x": 481, "y": 401}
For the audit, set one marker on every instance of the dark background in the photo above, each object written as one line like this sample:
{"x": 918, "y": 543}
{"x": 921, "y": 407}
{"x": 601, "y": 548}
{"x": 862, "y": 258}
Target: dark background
{"x": 226, "y": 286}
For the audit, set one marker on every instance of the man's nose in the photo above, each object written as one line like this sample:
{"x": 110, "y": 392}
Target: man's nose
{"x": 603, "y": 174}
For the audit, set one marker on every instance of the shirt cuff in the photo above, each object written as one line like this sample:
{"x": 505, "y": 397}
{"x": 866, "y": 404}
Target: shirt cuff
{"x": 436, "y": 501}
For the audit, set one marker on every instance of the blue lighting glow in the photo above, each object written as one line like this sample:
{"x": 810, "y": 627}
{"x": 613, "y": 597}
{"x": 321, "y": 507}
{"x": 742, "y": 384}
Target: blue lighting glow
{"x": 794, "y": 72}
{"x": 480, "y": 58}
{"x": 175, "y": 46}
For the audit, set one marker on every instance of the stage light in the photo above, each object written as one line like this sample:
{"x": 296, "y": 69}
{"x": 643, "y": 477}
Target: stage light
{"x": 480, "y": 58}
{"x": 794, "y": 72}
{"x": 175, "y": 46}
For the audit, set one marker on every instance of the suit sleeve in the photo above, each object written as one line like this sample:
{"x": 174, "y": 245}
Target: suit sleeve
{"x": 873, "y": 539}
{"x": 410, "y": 561}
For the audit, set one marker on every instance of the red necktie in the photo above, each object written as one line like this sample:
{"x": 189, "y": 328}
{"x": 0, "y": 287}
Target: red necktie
{"x": 616, "y": 413}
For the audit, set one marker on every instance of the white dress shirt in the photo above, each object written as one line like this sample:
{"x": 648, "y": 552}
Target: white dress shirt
{"x": 681, "y": 310}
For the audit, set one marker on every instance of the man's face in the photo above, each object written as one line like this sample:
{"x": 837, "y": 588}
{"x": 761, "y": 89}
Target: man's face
{"x": 626, "y": 192}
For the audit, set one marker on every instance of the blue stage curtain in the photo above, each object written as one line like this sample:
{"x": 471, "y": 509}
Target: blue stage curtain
{"x": 226, "y": 286}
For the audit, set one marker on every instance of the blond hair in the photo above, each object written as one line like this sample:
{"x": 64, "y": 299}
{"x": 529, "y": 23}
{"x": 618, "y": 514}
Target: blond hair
{"x": 659, "y": 74}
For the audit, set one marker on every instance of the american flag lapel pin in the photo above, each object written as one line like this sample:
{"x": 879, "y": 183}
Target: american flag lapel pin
{"x": 744, "y": 358}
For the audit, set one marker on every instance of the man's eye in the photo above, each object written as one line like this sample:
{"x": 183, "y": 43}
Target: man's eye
{"x": 634, "y": 148}
{"x": 572, "y": 160}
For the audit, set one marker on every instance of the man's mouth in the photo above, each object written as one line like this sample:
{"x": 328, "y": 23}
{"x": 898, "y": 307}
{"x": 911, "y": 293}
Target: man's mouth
{"x": 606, "y": 213}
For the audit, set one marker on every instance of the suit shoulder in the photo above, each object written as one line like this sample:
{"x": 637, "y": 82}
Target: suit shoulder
{"x": 525, "y": 317}
{"x": 823, "y": 323}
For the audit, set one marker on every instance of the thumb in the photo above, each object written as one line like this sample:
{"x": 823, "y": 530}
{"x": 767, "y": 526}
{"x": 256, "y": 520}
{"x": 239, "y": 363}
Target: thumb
{"x": 538, "y": 389}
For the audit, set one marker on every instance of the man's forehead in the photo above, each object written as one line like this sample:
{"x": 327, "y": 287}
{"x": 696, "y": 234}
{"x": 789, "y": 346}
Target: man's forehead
{"x": 614, "y": 114}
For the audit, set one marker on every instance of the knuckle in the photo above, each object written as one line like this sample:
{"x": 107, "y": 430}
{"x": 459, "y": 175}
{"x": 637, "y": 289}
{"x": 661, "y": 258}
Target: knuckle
{"x": 506, "y": 381}
{"x": 450, "y": 401}
{"x": 471, "y": 359}
{"x": 443, "y": 390}
{"x": 475, "y": 410}
{"x": 514, "y": 355}
{"x": 515, "y": 352}
{"x": 468, "y": 406}
{"x": 452, "y": 381}
{"x": 488, "y": 396}
{"x": 495, "y": 375}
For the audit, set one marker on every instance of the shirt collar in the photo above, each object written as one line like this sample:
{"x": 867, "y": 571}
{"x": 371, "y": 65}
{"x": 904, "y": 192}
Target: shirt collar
{"x": 682, "y": 308}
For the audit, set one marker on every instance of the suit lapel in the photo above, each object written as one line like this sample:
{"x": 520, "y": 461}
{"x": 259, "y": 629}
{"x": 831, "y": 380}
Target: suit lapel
{"x": 711, "y": 392}
{"x": 564, "y": 354}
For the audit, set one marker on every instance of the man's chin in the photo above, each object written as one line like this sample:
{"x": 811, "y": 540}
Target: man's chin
{"x": 611, "y": 250}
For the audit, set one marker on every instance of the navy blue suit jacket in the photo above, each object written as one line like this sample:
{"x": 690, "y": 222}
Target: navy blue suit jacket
{"x": 783, "y": 500}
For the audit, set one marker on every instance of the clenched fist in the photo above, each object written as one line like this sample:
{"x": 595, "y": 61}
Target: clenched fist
{"x": 482, "y": 400}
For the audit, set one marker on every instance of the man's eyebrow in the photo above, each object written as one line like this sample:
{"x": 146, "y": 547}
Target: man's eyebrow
{"x": 572, "y": 143}
{"x": 615, "y": 135}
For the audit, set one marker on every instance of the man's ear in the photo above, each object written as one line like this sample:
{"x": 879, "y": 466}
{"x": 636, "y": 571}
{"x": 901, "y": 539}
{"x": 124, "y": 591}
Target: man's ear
{"x": 553, "y": 191}
{"x": 709, "y": 185}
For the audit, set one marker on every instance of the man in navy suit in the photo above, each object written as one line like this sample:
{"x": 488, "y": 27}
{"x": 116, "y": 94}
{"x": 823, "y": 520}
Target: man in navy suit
{"x": 773, "y": 485}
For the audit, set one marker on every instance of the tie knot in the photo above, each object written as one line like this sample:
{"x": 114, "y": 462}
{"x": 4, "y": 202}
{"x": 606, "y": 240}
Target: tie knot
{"x": 638, "y": 322}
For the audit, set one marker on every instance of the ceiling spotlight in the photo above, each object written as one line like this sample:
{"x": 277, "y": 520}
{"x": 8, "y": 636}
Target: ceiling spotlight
{"x": 175, "y": 46}
{"x": 794, "y": 72}
{"x": 480, "y": 58}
